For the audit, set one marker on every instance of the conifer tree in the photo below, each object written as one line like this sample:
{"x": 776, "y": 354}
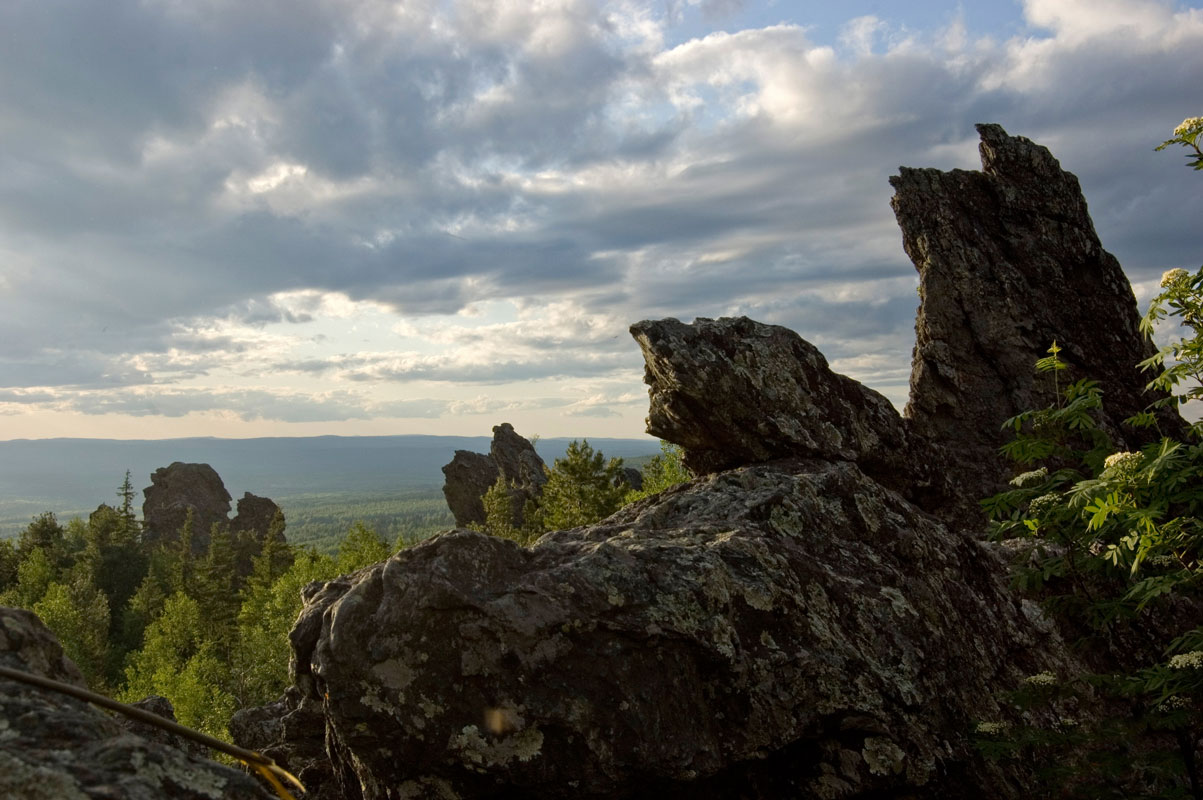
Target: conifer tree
{"x": 582, "y": 487}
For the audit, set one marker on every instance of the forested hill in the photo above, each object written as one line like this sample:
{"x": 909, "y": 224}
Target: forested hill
{"x": 77, "y": 474}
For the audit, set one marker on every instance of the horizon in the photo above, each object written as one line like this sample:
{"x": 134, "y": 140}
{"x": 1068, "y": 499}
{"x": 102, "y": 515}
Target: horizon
{"x": 350, "y": 219}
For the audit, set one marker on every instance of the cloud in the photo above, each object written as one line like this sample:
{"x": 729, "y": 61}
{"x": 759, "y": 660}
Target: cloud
{"x": 282, "y": 197}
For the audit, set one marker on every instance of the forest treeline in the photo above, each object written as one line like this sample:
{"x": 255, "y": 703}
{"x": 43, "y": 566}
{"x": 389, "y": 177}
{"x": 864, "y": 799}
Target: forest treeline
{"x": 207, "y": 628}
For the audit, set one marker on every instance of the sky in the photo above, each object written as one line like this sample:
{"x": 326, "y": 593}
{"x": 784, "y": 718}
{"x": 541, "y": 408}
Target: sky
{"x": 354, "y": 217}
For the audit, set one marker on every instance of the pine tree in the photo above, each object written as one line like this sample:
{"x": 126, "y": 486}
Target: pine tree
{"x": 582, "y": 488}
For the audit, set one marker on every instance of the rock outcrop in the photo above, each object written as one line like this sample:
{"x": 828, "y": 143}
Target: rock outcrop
{"x": 469, "y": 475}
{"x": 291, "y": 732}
{"x": 1008, "y": 262}
{"x": 784, "y": 630}
{"x": 178, "y": 489}
{"x": 197, "y": 488}
{"x": 812, "y": 617}
{"x": 255, "y": 515}
{"x": 54, "y": 747}
{"x": 734, "y": 391}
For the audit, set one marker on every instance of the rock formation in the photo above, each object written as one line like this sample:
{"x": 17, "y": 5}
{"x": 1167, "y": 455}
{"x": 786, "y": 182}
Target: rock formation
{"x": 255, "y": 515}
{"x": 469, "y": 475}
{"x": 812, "y": 617}
{"x": 735, "y": 391}
{"x": 54, "y": 747}
{"x": 1008, "y": 262}
{"x": 175, "y": 490}
{"x": 180, "y": 488}
{"x": 788, "y": 629}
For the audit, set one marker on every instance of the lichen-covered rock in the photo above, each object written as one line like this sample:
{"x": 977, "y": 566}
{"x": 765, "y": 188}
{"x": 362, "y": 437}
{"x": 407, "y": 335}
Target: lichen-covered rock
{"x": 1008, "y": 262}
{"x": 467, "y": 477}
{"x": 54, "y": 747}
{"x": 292, "y": 732}
{"x": 160, "y": 706}
{"x": 734, "y": 391}
{"x": 175, "y": 490}
{"x": 787, "y": 629}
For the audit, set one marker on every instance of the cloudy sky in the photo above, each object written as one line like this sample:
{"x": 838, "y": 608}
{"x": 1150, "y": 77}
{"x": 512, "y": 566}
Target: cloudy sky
{"x": 300, "y": 217}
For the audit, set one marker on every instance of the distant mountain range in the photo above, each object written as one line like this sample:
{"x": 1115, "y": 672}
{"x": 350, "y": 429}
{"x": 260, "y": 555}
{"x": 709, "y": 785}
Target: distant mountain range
{"x": 70, "y": 475}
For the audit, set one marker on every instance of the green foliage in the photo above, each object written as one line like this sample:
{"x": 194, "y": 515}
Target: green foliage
{"x": 260, "y": 661}
{"x": 78, "y": 613}
{"x": 499, "y": 515}
{"x": 1187, "y": 134}
{"x": 582, "y": 488}
{"x": 179, "y": 661}
{"x": 361, "y": 547}
{"x": 9, "y": 560}
{"x": 662, "y": 472}
{"x": 1115, "y": 540}
{"x": 35, "y": 573}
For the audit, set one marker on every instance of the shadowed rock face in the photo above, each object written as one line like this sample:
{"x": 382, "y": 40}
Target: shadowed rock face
{"x": 1008, "y": 262}
{"x": 53, "y": 747}
{"x": 469, "y": 475}
{"x": 255, "y": 514}
{"x": 675, "y": 648}
{"x": 467, "y": 478}
{"x": 176, "y": 489}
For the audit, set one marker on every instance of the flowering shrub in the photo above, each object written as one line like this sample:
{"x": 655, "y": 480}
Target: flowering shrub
{"x": 1115, "y": 545}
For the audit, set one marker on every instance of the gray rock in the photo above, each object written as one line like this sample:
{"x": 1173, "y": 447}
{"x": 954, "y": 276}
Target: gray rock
{"x": 522, "y": 468}
{"x": 467, "y": 477}
{"x": 54, "y": 747}
{"x": 255, "y": 514}
{"x": 634, "y": 478}
{"x": 176, "y": 489}
{"x": 290, "y": 731}
{"x": 1008, "y": 262}
{"x": 162, "y": 707}
{"x": 788, "y": 629}
{"x": 733, "y": 391}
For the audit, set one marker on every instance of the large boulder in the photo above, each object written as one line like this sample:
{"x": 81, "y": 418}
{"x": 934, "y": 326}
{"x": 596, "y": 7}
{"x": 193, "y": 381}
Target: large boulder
{"x": 178, "y": 489}
{"x": 53, "y": 746}
{"x": 788, "y": 629}
{"x": 1008, "y": 262}
{"x": 734, "y": 391}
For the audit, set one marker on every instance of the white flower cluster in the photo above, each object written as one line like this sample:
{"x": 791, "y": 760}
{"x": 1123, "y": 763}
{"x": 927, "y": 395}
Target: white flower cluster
{"x": 1172, "y": 277}
{"x": 991, "y": 728}
{"x": 1189, "y": 125}
{"x": 1191, "y": 660}
{"x": 1123, "y": 463}
{"x": 1173, "y": 703}
{"x": 1030, "y": 478}
{"x": 1041, "y": 679}
{"x": 1039, "y": 507}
